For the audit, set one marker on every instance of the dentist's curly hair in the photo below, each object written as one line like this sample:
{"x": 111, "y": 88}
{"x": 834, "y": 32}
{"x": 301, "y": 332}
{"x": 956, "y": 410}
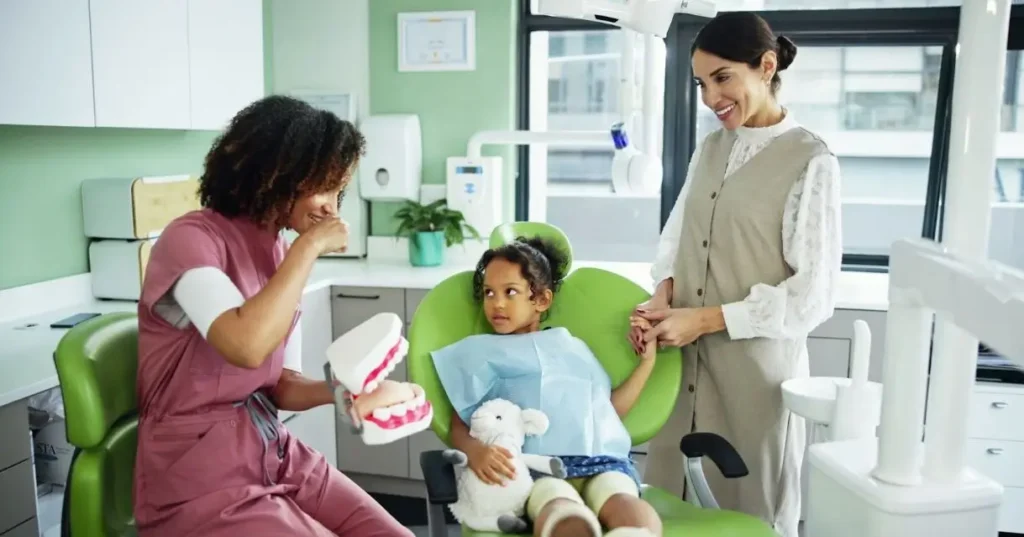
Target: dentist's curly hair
{"x": 542, "y": 263}
{"x": 275, "y": 151}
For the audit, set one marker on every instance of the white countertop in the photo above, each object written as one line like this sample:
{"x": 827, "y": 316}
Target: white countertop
{"x": 26, "y": 352}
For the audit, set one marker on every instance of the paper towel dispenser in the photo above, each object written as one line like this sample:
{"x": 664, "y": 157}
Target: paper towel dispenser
{"x": 392, "y": 168}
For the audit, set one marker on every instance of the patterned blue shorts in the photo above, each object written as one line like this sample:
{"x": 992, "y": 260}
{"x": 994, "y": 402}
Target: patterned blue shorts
{"x": 583, "y": 466}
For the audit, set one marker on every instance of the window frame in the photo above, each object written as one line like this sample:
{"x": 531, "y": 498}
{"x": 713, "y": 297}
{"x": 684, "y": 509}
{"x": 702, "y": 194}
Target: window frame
{"x": 913, "y": 26}
{"x": 529, "y": 23}
{"x": 928, "y": 26}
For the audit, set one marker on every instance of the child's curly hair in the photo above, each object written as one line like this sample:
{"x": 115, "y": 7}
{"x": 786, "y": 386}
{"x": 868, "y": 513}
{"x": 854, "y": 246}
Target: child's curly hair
{"x": 542, "y": 263}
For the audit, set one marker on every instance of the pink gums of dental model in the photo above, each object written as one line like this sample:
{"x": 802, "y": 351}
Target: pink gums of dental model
{"x": 363, "y": 357}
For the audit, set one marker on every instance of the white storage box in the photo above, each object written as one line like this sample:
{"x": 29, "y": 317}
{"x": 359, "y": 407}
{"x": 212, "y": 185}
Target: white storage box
{"x": 52, "y": 454}
{"x": 118, "y": 268}
{"x": 136, "y": 208}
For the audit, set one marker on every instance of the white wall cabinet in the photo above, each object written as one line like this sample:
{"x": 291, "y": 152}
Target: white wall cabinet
{"x": 225, "y": 39}
{"x": 141, "y": 63}
{"x": 46, "y": 63}
{"x": 174, "y": 64}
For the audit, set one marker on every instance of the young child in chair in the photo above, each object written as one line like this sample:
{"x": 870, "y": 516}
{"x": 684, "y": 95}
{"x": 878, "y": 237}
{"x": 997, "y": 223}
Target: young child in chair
{"x": 516, "y": 284}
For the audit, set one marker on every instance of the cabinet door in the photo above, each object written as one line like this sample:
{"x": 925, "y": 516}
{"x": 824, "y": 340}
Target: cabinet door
{"x": 140, "y": 63}
{"x": 418, "y": 443}
{"x": 46, "y": 63}
{"x": 316, "y": 427}
{"x": 316, "y": 332}
{"x": 829, "y": 357}
{"x": 840, "y": 326}
{"x": 225, "y": 41}
{"x": 413, "y": 297}
{"x": 350, "y": 306}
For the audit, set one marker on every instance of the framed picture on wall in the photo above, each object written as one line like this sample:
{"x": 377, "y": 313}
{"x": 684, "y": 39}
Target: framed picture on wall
{"x": 437, "y": 41}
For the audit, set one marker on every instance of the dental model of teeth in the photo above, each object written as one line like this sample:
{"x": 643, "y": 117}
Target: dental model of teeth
{"x": 361, "y": 360}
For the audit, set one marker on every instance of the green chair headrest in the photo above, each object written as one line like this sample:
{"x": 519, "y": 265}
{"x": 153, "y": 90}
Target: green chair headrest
{"x": 593, "y": 304}
{"x": 97, "y": 364}
{"x": 508, "y": 232}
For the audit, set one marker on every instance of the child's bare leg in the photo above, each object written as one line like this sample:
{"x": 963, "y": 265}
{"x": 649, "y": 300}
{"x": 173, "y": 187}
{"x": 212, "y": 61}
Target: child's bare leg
{"x": 615, "y": 498}
{"x": 557, "y": 510}
{"x": 626, "y": 511}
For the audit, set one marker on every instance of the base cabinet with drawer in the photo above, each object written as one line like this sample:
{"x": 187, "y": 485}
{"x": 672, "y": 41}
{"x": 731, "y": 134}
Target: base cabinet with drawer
{"x": 17, "y": 475}
{"x": 995, "y": 446}
{"x": 315, "y": 427}
{"x": 350, "y": 306}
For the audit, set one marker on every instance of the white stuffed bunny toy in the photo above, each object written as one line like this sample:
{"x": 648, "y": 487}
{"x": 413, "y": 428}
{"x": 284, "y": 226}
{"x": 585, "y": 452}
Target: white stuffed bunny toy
{"x": 480, "y": 506}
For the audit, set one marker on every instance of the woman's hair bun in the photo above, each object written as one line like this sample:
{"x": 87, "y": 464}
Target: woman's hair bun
{"x": 786, "y": 52}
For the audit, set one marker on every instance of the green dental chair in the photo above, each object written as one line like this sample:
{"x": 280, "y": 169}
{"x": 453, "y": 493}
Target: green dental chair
{"x": 96, "y": 364}
{"x": 449, "y": 313}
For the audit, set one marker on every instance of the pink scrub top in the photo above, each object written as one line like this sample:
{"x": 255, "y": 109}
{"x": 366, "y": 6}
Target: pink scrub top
{"x": 208, "y": 433}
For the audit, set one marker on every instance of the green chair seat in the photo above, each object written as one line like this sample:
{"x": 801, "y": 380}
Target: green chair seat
{"x": 96, "y": 363}
{"x": 594, "y": 305}
{"x": 684, "y": 519}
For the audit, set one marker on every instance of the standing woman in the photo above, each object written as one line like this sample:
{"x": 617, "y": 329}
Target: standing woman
{"x": 219, "y": 341}
{"x": 746, "y": 269}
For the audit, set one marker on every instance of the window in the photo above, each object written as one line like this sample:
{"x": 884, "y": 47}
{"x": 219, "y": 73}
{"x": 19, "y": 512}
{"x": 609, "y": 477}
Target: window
{"x": 875, "y": 107}
{"x": 773, "y": 5}
{"x": 1006, "y": 242}
{"x": 879, "y": 97}
{"x": 570, "y": 187}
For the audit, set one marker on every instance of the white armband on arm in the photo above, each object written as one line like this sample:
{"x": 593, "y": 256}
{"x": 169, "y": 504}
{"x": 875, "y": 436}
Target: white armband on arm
{"x": 205, "y": 293}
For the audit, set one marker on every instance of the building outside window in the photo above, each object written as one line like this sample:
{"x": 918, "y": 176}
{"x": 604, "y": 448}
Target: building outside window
{"x": 875, "y": 106}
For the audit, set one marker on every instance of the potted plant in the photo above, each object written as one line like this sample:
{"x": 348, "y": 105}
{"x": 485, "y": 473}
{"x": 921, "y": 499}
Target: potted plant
{"x": 431, "y": 229}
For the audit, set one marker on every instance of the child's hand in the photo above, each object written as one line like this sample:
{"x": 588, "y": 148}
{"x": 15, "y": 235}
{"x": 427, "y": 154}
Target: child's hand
{"x": 650, "y": 350}
{"x": 637, "y": 326}
{"x": 492, "y": 464}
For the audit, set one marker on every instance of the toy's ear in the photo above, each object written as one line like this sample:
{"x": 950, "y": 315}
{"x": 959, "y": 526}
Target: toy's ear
{"x": 535, "y": 422}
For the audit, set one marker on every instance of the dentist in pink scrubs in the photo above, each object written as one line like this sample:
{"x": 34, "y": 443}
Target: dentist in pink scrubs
{"x": 219, "y": 347}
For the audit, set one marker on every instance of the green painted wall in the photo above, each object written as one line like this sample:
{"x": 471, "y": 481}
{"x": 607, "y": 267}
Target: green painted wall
{"x": 41, "y": 171}
{"x": 41, "y": 168}
{"x": 451, "y": 105}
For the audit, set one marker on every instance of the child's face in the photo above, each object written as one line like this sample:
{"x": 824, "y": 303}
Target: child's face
{"x": 507, "y": 302}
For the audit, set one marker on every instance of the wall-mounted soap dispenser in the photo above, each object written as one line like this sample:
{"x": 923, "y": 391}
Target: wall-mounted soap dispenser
{"x": 392, "y": 168}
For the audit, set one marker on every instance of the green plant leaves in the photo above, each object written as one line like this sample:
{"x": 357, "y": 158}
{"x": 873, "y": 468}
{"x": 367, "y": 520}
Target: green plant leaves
{"x": 415, "y": 217}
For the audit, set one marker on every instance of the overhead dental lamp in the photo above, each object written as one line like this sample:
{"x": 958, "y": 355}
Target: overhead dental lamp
{"x": 636, "y": 165}
{"x": 653, "y": 17}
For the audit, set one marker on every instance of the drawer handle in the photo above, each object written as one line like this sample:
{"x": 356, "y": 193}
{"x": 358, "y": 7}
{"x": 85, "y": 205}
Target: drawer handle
{"x": 999, "y": 405}
{"x": 359, "y": 297}
{"x": 994, "y": 451}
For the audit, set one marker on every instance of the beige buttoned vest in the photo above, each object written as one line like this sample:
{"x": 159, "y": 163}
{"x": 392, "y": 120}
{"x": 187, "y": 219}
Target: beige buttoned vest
{"x": 732, "y": 240}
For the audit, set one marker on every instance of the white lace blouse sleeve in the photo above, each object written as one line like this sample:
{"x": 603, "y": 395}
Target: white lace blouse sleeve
{"x": 812, "y": 246}
{"x": 668, "y": 245}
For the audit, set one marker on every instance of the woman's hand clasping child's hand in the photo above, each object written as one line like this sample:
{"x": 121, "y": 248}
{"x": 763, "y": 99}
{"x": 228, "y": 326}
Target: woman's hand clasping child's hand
{"x": 637, "y": 327}
{"x": 491, "y": 464}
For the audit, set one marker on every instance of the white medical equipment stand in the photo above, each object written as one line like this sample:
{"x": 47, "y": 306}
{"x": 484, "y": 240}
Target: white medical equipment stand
{"x": 635, "y": 170}
{"x": 897, "y": 485}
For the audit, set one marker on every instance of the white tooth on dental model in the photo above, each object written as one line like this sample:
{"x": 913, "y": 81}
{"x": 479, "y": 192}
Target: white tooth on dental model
{"x": 382, "y": 413}
{"x": 400, "y": 409}
{"x": 371, "y": 386}
{"x": 390, "y": 368}
{"x": 419, "y": 401}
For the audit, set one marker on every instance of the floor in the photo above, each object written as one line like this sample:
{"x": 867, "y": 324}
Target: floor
{"x": 421, "y": 531}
